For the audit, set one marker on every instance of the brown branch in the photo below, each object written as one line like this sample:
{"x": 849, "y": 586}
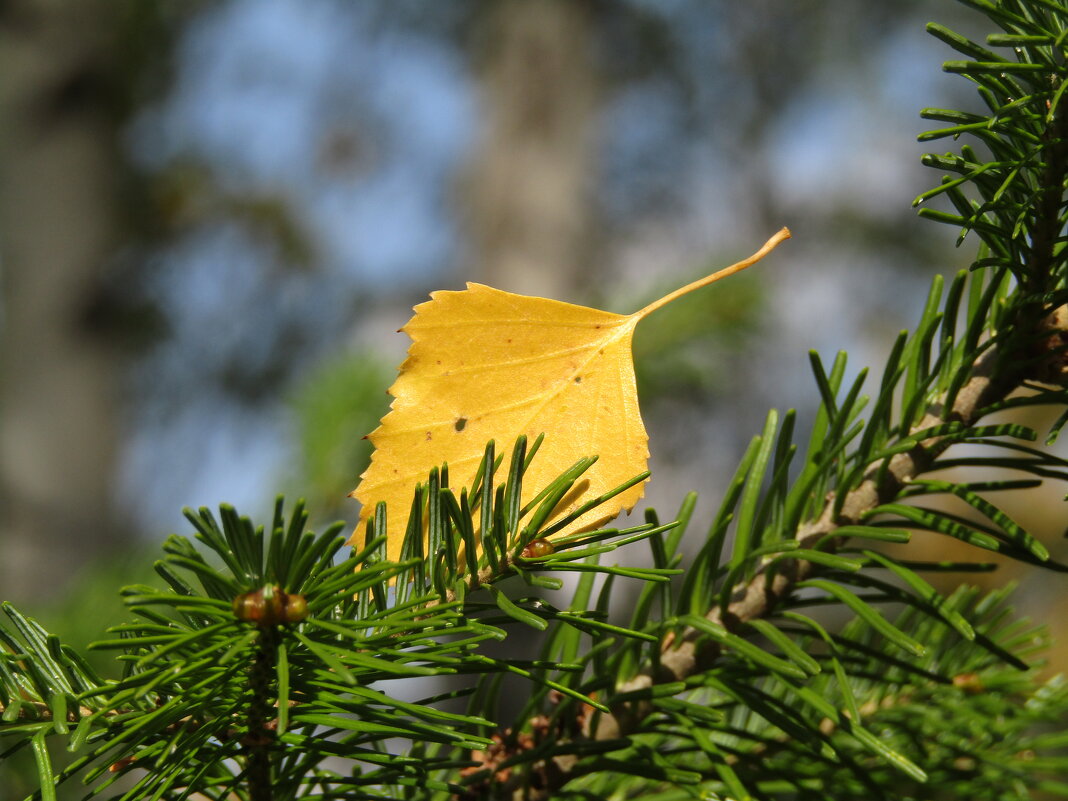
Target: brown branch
{"x": 40, "y": 711}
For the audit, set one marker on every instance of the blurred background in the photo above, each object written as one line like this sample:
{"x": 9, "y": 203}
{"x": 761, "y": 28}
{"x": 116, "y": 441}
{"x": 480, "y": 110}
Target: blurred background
{"x": 214, "y": 215}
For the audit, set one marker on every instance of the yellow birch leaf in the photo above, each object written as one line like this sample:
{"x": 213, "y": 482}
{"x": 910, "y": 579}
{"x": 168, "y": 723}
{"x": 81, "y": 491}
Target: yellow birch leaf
{"x": 486, "y": 364}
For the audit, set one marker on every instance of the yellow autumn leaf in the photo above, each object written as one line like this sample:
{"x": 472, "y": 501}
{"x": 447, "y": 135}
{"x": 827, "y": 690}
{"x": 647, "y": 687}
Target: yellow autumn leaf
{"x": 486, "y": 364}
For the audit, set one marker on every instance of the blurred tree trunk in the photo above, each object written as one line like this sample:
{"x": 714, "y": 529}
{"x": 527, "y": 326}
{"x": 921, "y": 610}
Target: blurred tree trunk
{"x": 58, "y": 222}
{"x": 531, "y": 186}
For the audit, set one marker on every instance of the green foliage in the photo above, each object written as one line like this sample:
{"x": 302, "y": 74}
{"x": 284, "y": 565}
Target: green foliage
{"x": 261, "y": 670}
{"x": 254, "y": 666}
{"x": 334, "y": 407}
{"x": 690, "y": 350}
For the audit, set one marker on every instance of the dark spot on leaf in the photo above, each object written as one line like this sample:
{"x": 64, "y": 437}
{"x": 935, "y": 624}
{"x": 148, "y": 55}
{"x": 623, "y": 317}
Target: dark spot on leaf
{"x": 460, "y": 423}
{"x": 428, "y": 436}
{"x": 578, "y": 379}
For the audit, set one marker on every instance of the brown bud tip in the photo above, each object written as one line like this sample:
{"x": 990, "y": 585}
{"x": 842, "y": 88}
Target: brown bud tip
{"x": 270, "y": 606}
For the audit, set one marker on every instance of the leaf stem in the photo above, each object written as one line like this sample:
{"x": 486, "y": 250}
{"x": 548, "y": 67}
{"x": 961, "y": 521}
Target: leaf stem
{"x": 737, "y": 267}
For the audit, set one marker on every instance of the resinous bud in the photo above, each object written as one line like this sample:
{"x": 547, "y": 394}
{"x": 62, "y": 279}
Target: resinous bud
{"x": 270, "y": 605}
{"x": 250, "y": 607}
{"x": 536, "y": 548}
{"x": 295, "y": 609}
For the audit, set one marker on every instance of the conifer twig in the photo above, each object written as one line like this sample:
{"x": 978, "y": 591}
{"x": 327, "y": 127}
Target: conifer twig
{"x": 260, "y": 738}
{"x": 687, "y": 654}
{"x": 758, "y": 598}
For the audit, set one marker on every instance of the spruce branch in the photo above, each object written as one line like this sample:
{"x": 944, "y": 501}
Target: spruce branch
{"x": 690, "y": 653}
